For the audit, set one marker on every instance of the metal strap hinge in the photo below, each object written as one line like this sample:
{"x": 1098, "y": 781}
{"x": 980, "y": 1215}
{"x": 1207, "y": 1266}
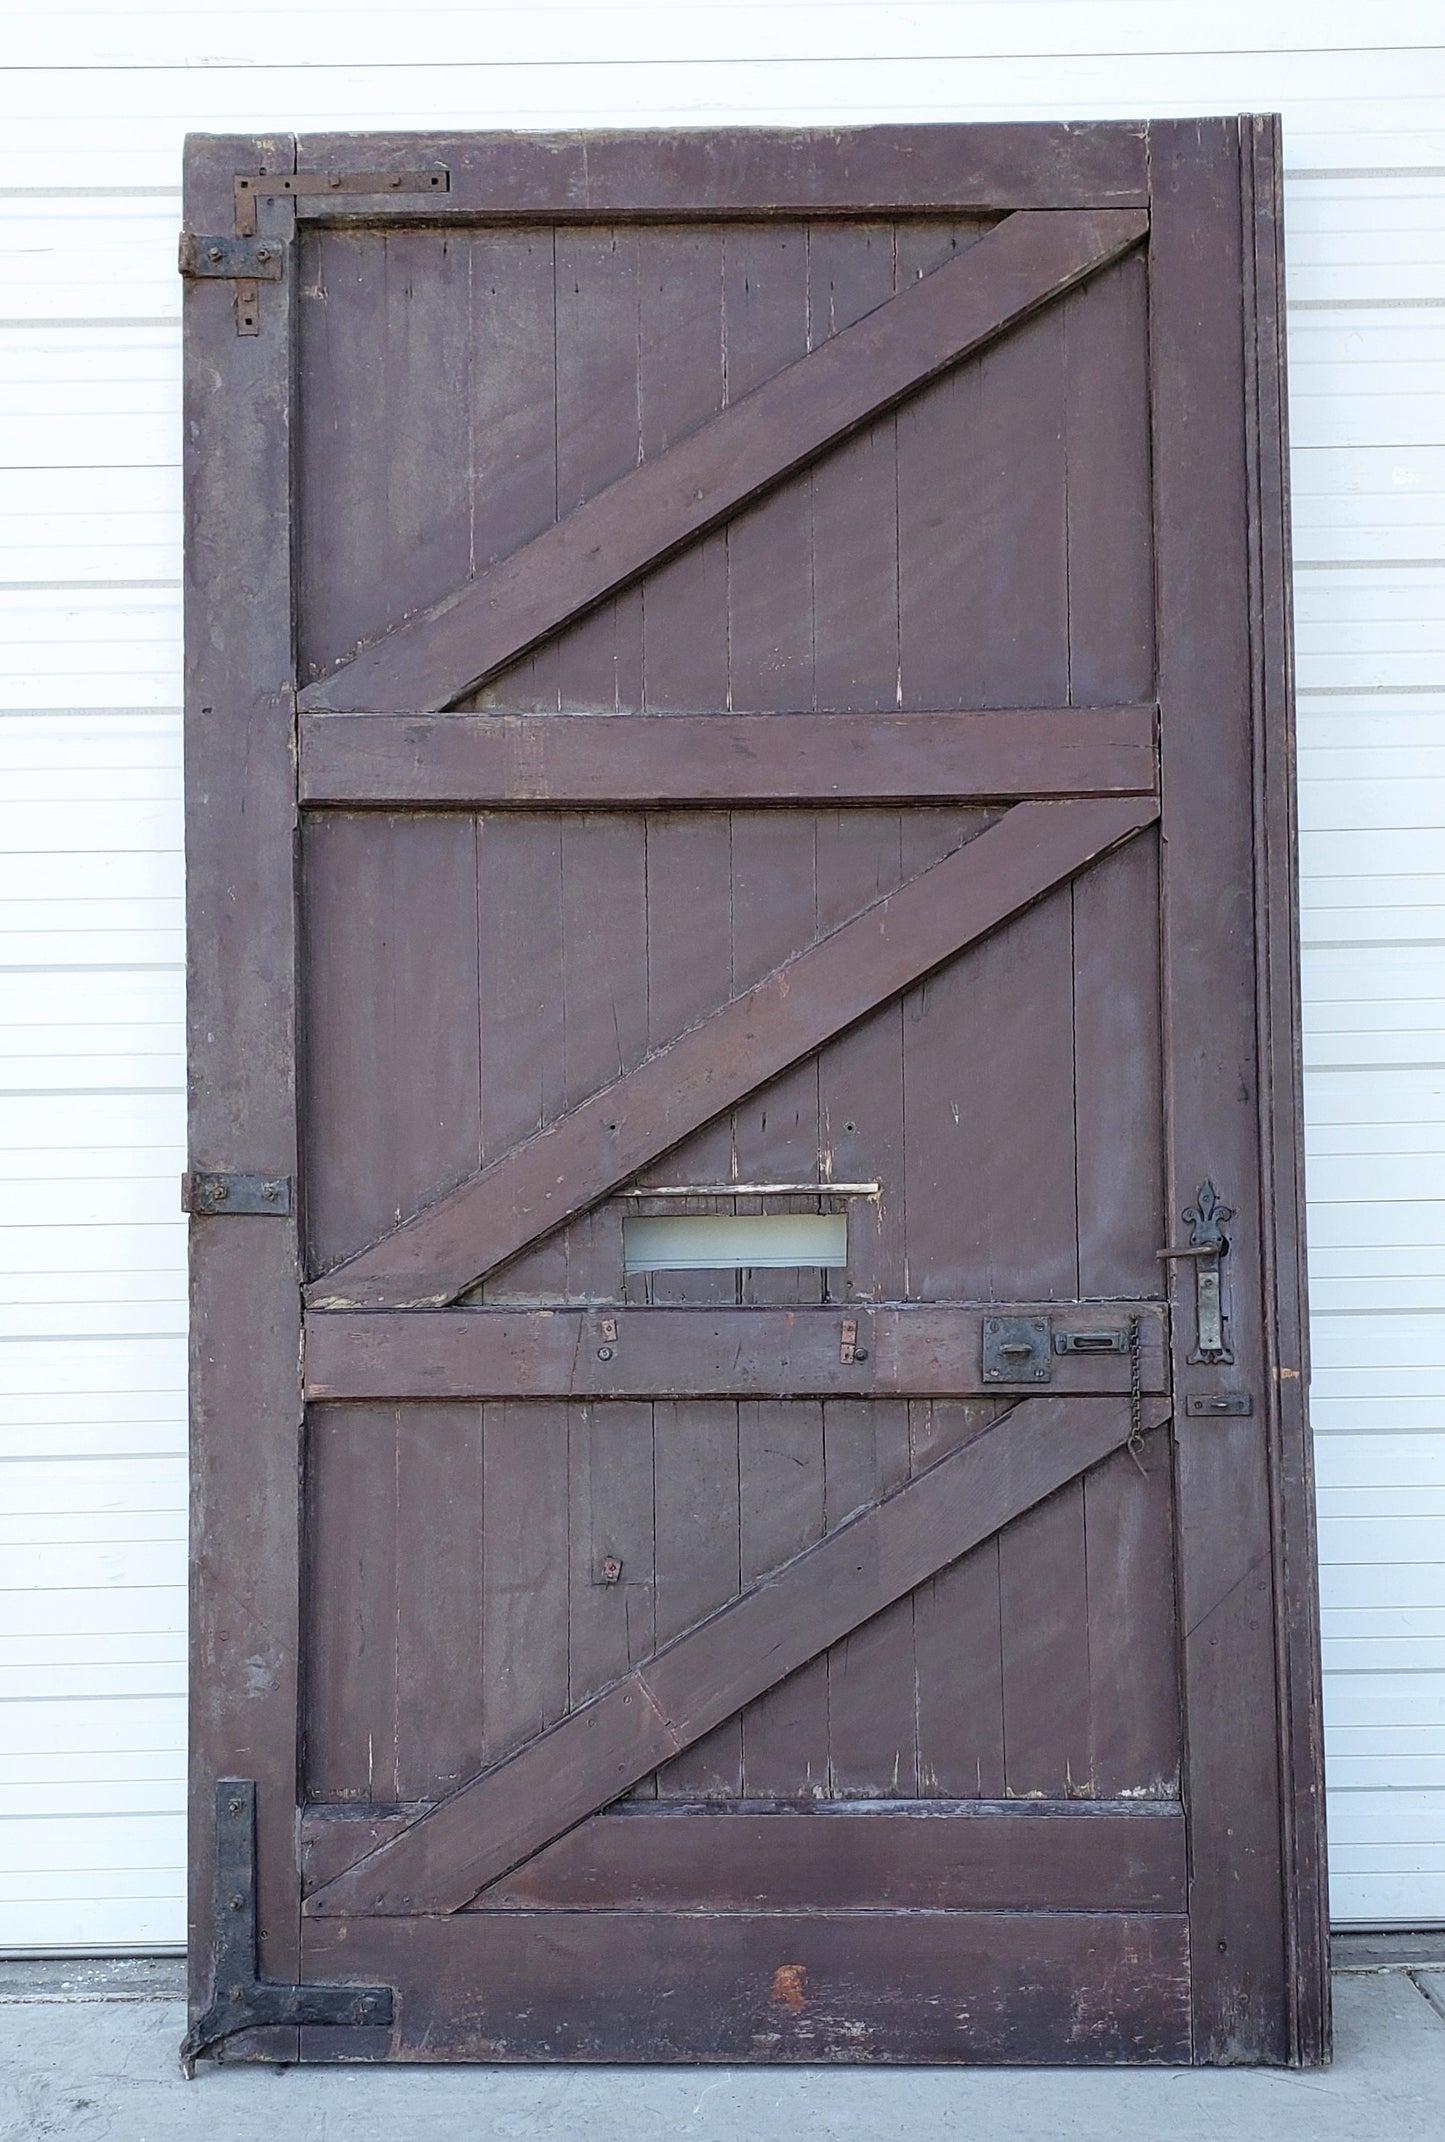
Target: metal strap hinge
{"x": 240, "y": 1998}
{"x": 248, "y": 261}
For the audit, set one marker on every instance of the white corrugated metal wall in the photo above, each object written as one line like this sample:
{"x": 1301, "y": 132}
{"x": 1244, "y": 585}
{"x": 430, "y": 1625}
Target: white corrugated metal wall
{"x": 91, "y": 1249}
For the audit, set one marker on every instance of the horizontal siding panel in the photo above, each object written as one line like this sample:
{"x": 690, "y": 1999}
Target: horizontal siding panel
{"x": 209, "y": 35}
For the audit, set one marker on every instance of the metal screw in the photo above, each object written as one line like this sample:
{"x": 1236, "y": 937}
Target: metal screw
{"x": 270, "y": 1192}
{"x": 213, "y": 252}
{"x": 222, "y": 1192}
{"x": 263, "y": 252}
{"x": 233, "y": 1807}
{"x": 611, "y": 1568}
{"x": 604, "y": 1353}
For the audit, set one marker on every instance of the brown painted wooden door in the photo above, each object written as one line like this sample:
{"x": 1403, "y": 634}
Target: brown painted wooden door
{"x": 741, "y": 866}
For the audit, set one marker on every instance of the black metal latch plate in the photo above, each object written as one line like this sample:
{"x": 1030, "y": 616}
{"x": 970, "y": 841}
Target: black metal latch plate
{"x": 240, "y": 1999}
{"x": 268, "y": 1196}
{"x": 1016, "y": 1349}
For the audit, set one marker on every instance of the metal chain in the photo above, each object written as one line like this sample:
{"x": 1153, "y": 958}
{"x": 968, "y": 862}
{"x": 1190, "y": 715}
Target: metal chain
{"x": 1136, "y": 1402}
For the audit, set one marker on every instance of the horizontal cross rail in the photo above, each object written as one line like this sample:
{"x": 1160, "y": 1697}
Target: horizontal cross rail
{"x": 632, "y": 761}
{"x": 912, "y": 1351}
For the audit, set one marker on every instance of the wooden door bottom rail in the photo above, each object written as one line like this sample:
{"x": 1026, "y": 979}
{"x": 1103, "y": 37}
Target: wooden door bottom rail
{"x": 913, "y": 1351}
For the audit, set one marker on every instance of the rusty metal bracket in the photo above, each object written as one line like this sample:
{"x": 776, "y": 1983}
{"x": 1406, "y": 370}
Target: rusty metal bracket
{"x": 232, "y": 259}
{"x": 248, "y": 261}
{"x": 240, "y": 1999}
{"x": 254, "y": 186}
{"x": 206, "y": 1194}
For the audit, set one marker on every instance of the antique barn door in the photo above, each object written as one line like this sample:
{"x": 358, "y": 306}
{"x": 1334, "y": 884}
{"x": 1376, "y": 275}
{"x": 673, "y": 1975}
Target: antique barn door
{"x": 743, "y": 1040}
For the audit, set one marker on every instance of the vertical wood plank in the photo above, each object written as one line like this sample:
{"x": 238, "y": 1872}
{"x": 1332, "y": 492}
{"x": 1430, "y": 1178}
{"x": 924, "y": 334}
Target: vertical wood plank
{"x": 689, "y": 973}
{"x": 989, "y": 1118}
{"x": 1281, "y": 1107}
{"x": 438, "y": 1650}
{"x": 681, "y": 382}
{"x": 1224, "y": 1515}
{"x": 604, "y": 1003}
{"x": 1043, "y": 1583}
{"x": 958, "y": 1634}
{"x": 246, "y": 1409}
{"x": 1110, "y": 576}
{"x": 938, "y": 450}
{"x": 695, "y": 1470}
{"x": 770, "y": 567}
{"x": 520, "y": 931}
{"x": 780, "y": 1512}
{"x": 1133, "y": 1640}
{"x": 774, "y": 917}
{"x": 351, "y": 1739}
{"x": 385, "y": 368}
{"x": 1014, "y": 540}
{"x": 525, "y": 1572}
{"x": 513, "y": 448}
{"x": 392, "y": 1045}
{"x": 1118, "y": 1071}
{"x": 598, "y": 439}
{"x": 855, "y": 494}
{"x": 860, "y": 1076}
{"x": 610, "y": 1618}
{"x": 872, "y": 1714}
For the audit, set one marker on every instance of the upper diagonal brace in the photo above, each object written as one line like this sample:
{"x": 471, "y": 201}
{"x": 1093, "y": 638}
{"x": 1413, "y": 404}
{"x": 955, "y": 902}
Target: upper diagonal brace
{"x": 481, "y": 626}
{"x": 505, "y": 1814}
{"x": 433, "y": 1257}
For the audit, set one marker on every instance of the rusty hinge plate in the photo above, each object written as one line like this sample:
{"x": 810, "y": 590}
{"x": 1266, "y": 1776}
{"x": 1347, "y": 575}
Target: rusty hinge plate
{"x": 232, "y": 259}
{"x": 248, "y": 261}
{"x": 204, "y": 1192}
{"x": 254, "y": 186}
{"x": 240, "y": 1998}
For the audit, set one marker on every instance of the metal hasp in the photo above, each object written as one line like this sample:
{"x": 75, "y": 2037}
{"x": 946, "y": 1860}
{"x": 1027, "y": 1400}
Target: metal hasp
{"x": 240, "y": 2000}
{"x": 207, "y": 1194}
{"x": 1208, "y": 1245}
{"x": 1016, "y": 1349}
{"x": 248, "y": 261}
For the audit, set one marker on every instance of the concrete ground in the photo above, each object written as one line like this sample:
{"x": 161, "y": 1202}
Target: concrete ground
{"x": 88, "y": 2054}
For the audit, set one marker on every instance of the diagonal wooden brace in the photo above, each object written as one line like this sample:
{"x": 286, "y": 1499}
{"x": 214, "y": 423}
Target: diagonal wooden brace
{"x": 481, "y": 626}
{"x": 433, "y": 1257}
{"x": 503, "y": 1816}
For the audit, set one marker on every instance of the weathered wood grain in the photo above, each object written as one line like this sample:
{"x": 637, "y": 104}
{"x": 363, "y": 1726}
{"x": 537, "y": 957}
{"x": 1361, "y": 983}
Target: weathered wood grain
{"x": 1062, "y": 1988}
{"x": 506, "y": 1814}
{"x": 916, "y": 1350}
{"x": 794, "y": 416}
{"x": 437, "y": 1254}
{"x": 241, "y": 1011}
{"x": 1014, "y": 1855}
{"x": 753, "y": 172}
{"x": 551, "y": 762}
